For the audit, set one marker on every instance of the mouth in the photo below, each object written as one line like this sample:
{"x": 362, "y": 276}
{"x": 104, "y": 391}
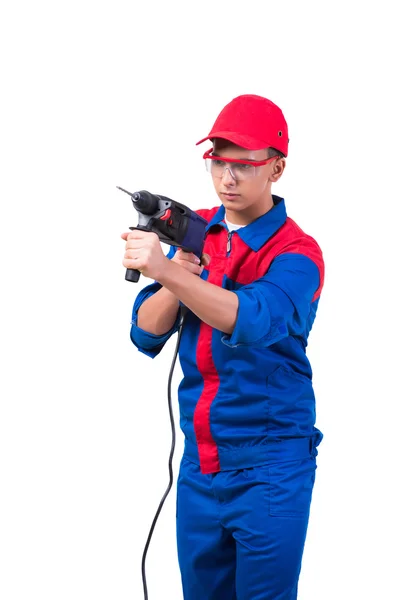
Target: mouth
{"x": 229, "y": 196}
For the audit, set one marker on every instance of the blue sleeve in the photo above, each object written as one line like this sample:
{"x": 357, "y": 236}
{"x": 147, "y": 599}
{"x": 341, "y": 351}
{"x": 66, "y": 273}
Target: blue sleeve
{"x": 276, "y": 305}
{"x": 146, "y": 342}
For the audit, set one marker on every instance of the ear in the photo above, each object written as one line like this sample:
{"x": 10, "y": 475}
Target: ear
{"x": 279, "y": 167}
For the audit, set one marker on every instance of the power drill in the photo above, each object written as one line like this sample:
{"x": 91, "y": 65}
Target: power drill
{"x": 173, "y": 222}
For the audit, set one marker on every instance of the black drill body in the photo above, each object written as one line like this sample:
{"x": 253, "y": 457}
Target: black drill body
{"x": 173, "y": 222}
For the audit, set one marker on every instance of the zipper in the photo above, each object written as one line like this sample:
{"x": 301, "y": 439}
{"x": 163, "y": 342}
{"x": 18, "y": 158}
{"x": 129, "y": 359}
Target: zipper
{"x": 229, "y": 243}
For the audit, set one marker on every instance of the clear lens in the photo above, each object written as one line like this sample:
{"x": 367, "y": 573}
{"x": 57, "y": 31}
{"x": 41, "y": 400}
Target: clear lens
{"x": 238, "y": 171}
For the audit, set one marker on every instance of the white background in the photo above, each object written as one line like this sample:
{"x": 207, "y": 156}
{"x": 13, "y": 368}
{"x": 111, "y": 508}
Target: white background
{"x": 95, "y": 95}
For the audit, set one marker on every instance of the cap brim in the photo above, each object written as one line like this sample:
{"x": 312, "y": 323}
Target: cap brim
{"x": 240, "y": 140}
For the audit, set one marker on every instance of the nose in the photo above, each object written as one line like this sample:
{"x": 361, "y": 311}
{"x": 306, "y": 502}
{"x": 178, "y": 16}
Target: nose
{"x": 227, "y": 177}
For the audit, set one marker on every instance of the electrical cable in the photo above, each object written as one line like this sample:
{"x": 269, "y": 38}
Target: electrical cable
{"x": 171, "y": 474}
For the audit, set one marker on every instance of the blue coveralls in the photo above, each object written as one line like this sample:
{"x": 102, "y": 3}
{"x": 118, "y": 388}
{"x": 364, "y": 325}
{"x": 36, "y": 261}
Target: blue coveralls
{"x": 247, "y": 411}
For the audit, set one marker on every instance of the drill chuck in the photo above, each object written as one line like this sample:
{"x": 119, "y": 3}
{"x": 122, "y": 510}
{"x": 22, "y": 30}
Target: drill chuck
{"x": 145, "y": 202}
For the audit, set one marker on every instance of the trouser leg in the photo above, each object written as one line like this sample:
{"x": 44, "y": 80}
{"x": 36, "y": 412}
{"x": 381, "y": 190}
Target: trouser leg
{"x": 267, "y": 511}
{"x": 206, "y": 550}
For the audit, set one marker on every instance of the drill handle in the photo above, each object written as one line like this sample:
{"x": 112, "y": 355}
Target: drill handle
{"x": 133, "y": 275}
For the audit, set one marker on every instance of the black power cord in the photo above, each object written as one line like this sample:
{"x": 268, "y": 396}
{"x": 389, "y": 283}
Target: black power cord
{"x": 171, "y": 474}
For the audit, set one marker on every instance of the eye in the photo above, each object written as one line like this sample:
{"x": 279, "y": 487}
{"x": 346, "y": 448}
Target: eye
{"x": 218, "y": 163}
{"x": 242, "y": 167}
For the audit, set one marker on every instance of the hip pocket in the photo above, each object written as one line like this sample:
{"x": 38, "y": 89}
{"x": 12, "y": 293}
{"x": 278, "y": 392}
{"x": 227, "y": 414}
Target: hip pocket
{"x": 290, "y": 487}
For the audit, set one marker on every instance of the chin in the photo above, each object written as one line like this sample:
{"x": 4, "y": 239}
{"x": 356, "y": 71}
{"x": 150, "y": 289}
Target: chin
{"x": 232, "y": 203}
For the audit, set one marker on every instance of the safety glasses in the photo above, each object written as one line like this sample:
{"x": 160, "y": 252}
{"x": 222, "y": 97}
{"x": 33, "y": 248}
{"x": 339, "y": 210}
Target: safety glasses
{"x": 239, "y": 169}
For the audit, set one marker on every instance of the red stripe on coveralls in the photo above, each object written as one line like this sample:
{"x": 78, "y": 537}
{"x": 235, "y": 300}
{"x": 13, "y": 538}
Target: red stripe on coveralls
{"x": 215, "y": 246}
{"x": 208, "y": 451}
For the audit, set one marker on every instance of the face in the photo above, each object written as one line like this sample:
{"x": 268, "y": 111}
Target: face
{"x": 246, "y": 200}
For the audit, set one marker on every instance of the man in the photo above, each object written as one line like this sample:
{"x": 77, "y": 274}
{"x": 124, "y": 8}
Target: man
{"x": 247, "y": 406}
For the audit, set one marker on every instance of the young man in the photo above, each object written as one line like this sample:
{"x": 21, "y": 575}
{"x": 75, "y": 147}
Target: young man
{"x": 247, "y": 406}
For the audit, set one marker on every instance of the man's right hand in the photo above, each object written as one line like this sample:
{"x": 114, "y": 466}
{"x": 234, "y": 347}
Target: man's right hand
{"x": 190, "y": 262}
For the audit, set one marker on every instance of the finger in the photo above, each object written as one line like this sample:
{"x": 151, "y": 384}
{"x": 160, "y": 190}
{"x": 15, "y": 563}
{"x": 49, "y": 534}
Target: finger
{"x": 139, "y": 234}
{"x": 134, "y": 235}
{"x": 182, "y": 254}
{"x": 205, "y": 259}
{"x": 195, "y": 269}
{"x": 132, "y": 254}
{"x": 187, "y": 256}
{"x": 134, "y": 244}
{"x": 192, "y": 258}
{"x": 132, "y": 263}
{"x": 191, "y": 267}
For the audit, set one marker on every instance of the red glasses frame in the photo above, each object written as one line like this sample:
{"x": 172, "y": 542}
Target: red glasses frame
{"x": 255, "y": 163}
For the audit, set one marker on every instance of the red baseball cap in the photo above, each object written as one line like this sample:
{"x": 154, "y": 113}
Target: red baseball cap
{"x": 252, "y": 122}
